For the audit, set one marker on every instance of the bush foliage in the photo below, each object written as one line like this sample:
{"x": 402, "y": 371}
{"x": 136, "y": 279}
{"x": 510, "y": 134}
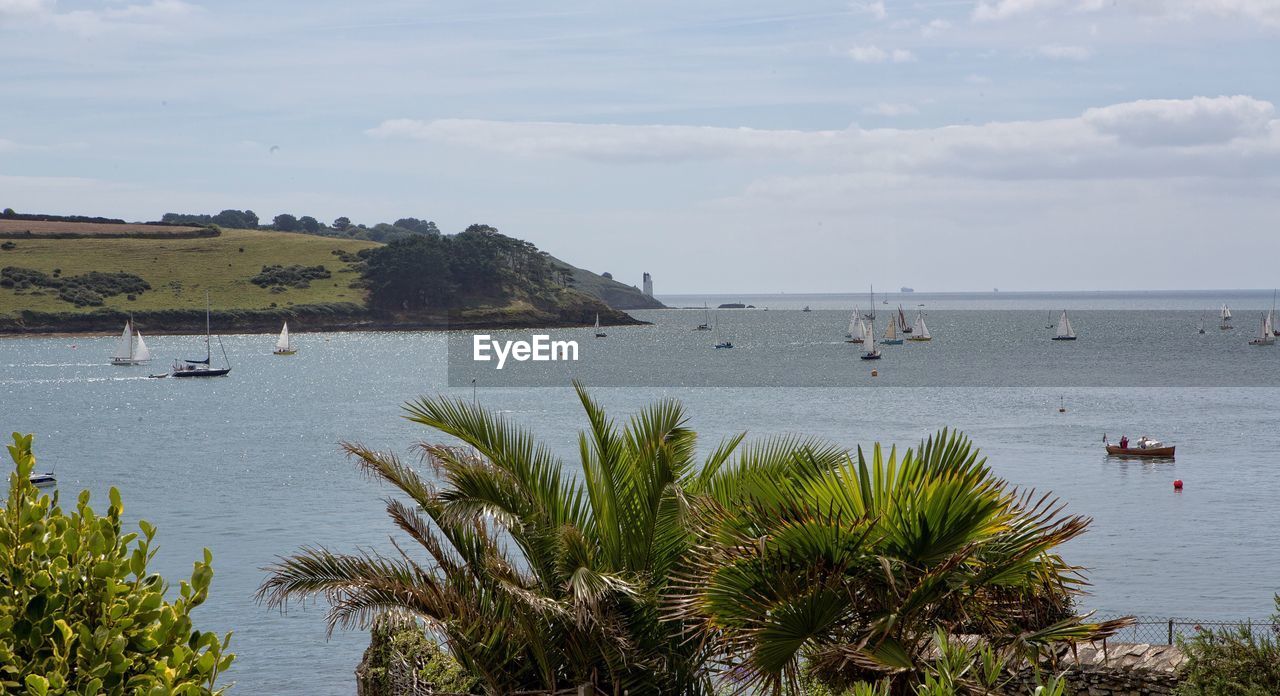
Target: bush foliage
{"x": 294, "y": 276}
{"x": 86, "y": 290}
{"x": 81, "y": 614}
{"x": 1232, "y": 662}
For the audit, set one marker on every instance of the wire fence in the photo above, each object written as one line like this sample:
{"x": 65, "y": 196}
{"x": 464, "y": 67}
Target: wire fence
{"x": 1166, "y": 631}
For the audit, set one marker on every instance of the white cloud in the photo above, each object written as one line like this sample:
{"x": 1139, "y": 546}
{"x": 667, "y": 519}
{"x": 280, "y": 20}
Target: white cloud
{"x": 1235, "y": 136}
{"x": 24, "y": 8}
{"x": 1266, "y": 12}
{"x": 143, "y": 18}
{"x": 870, "y": 53}
{"x": 935, "y": 27}
{"x": 888, "y": 109}
{"x": 1060, "y": 52}
{"x": 875, "y": 8}
{"x": 1196, "y": 121}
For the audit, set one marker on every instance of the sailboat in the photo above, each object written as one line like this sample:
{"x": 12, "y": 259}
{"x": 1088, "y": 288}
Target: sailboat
{"x": 872, "y": 353}
{"x": 283, "y": 346}
{"x": 1267, "y": 336}
{"x": 920, "y": 332}
{"x": 1272, "y": 315}
{"x": 1050, "y": 324}
{"x": 856, "y": 334}
{"x": 1225, "y": 314}
{"x": 128, "y": 351}
{"x": 203, "y": 368}
{"x": 1065, "y": 332}
{"x": 706, "y": 318}
{"x": 1201, "y": 324}
{"x": 871, "y": 316}
{"x": 891, "y": 334}
{"x": 599, "y": 333}
{"x": 721, "y": 342}
{"x": 903, "y": 327}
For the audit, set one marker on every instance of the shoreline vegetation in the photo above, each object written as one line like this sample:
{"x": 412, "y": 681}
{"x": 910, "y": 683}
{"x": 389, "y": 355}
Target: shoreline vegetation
{"x": 72, "y": 274}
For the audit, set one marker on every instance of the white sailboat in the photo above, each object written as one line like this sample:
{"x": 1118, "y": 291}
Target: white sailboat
{"x": 920, "y": 332}
{"x": 857, "y": 332}
{"x": 1065, "y": 331}
{"x": 1225, "y": 314}
{"x": 872, "y": 352}
{"x": 599, "y": 333}
{"x": 706, "y": 319}
{"x": 130, "y": 351}
{"x": 283, "y": 346}
{"x": 1267, "y": 336}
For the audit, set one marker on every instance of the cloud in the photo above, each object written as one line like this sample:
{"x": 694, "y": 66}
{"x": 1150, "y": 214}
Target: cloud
{"x": 875, "y": 8}
{"x": 1182, "y": 122}
{"x": 139, "y": 18}
{"x": 1061, "y": 52}
{"x": 1266, "y": 12}
{"x": 1234, "y": 135}
{"x": 887, "y": 109}
{"x": 870, "y": 53}
{"x": 24, "y": 8}
{"x": 934, "y": 27}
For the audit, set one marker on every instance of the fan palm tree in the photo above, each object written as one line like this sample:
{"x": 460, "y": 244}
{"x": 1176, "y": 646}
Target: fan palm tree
{"x": 850, "y": 573}
{"x": 539, "y": 578}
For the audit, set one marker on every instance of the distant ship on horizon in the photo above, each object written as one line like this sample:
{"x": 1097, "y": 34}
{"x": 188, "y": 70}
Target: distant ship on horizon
{"x": 907, "y": 289}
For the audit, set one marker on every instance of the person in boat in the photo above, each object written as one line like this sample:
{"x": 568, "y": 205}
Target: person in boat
{"x": 1124, "y": 442}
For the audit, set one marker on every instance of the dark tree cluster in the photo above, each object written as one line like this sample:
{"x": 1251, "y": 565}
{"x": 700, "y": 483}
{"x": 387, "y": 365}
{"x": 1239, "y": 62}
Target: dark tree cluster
{"x": 86, "y": 290}
{"x": 234, "y": 219}
{"x": 434, "y": 271}
{"x": 295, "y": 276}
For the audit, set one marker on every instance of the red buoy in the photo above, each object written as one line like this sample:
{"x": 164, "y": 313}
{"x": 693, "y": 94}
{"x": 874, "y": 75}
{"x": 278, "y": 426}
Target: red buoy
{"x": 1177, "y": 484}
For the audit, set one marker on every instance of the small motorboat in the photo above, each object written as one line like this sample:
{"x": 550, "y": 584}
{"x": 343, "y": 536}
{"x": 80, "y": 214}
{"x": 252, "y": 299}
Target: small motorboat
{"x": 42, "y": 480}
{"x": 1144, "y": 447}
{"x": 806, "y": 309}
{"x": 724, "y": 344}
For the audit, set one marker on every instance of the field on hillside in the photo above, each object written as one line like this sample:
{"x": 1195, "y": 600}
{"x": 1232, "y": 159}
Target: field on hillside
{"x": 180, "y": 270}
{"x": 39, "y": 228}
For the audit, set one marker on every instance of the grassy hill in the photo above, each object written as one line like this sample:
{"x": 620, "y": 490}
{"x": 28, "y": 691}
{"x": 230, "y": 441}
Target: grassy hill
{"x": 180, "y": 270}
{"x": 615, "y": 294}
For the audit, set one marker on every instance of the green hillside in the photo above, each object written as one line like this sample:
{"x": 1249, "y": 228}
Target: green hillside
{"x": 180, "y": 270}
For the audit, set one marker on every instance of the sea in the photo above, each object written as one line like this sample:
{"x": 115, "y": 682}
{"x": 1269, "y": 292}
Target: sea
{"x": 250, "y": 465}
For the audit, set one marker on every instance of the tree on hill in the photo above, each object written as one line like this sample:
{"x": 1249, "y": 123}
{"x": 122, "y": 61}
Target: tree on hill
{"x": 9, "y": 213}
{"x": 416, "y": 225}
{"x": 309, "y": 224}
{"x": 285, "y": 223}
{"x": 231, "y": 218}
{"x": 410, "y": 274}
{"x": 342, "y": 223}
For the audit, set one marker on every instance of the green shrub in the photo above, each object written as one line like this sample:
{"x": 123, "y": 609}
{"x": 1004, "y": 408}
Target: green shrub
{"x": 1232, "y": 662}
{"x": 81, "y": 614}
{"x": 295, "y": 276}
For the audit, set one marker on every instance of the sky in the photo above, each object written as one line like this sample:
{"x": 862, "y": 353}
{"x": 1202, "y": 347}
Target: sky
{"x": 723, "y": 146}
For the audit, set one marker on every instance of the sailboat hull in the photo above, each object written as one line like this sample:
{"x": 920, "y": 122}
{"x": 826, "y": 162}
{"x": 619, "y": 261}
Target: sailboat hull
{"x": 1118, "y": 451}
{"x": 920, "y": 338}
{"x": 891, "y": 341}
{"x": 286, "y": 351}
{"x": 870, "y": 356}
{"x": 202, "y": 373}
{"x": 1064, "y": 338}
{"x": 125, "y": 362}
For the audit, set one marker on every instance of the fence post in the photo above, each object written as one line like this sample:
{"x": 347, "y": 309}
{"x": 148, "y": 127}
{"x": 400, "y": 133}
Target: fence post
{"x": 1170, "y": 632}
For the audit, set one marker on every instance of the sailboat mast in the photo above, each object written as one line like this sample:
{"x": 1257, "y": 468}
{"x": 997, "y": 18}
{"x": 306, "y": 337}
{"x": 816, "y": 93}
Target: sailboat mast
{"x": 208, "y": 348}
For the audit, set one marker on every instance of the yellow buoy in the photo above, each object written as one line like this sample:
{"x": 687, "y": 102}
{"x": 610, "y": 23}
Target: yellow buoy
{"x": 875, "y": 373}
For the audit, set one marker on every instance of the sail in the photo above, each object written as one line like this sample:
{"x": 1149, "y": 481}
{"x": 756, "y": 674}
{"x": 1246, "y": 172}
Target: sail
{"x": 1064, "y": 326}
{"x": 902, "y": 319}
{"x": 1225, "y": 313}
{"x": 920, "y": 330}
{"x": 597, "y": 322}
{"x": 863, "y": 332}
{"x": 124, "y": 347}
{"x": 891, "y": 330}
{"x": 871, "y": 339}
{"x": 282, "y": 343}
{"x": 853, "y": 325}
{"x": 141, "y": 353}
{"x": 1266, "y": 328}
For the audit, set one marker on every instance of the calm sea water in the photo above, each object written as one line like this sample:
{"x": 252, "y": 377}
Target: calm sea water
{"x": 249, "y": 465}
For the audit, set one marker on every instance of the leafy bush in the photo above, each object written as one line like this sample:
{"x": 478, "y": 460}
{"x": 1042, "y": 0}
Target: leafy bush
{"x": 86, "y": 290}
{"x": 398, "y": 643}
{"x": 81, "y": 614}
{"x": 1232, "y": 662}
{"x": 294, "y": 276}
{"x": 8, "y": 246}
